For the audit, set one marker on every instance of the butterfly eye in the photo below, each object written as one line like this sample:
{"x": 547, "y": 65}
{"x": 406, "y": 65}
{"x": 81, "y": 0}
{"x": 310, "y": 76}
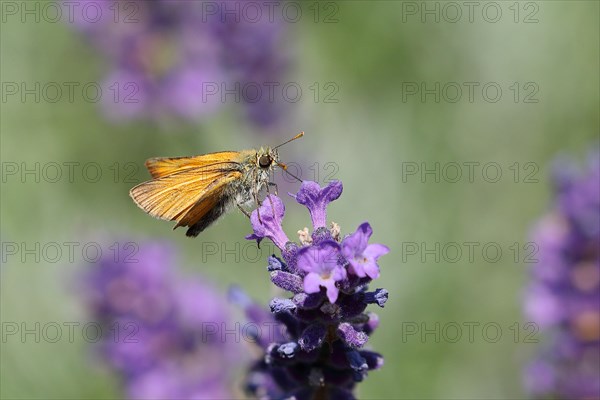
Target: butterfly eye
{"x": 265, "y": 161}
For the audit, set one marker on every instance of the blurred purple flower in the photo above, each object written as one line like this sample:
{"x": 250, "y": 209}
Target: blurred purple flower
{"x": 563, "y": 297}
{"x": 158, "y": 324}
{"x": 185, "y": 58}
{"x": 318, "y": 351}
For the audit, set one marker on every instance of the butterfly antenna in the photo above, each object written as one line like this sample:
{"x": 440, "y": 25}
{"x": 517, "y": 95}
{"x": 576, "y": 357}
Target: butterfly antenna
{"x": 285, "y": 168}
{"x": 298, "y": 136}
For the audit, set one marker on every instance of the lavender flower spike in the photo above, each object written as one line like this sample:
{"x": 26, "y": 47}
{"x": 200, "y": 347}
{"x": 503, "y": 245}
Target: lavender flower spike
{"x": 160, "y": 347}
{"x": 171, "y": 59}
{"x": 323, "y": 325}
{"x": 563, "y": 298}
{"x": 316, "y": 199}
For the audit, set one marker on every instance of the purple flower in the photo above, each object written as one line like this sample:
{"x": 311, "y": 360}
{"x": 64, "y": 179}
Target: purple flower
{"x": 361, "y": 255}
{"x": 563, "y": 298}
{"x": 177, "y": 382}
{"x": 268, "y": 225}
{"x": 185, "y": 59}
{"x": 256, "y": 56}
{"x": 316, "y": 199}
{"x": 323, "y": 326}
{"x": 158, "y": 322}
{"x": 323, "y": 270}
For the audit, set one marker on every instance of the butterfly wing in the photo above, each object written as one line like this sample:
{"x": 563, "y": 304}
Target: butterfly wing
{"x": 159, "y": 167}
{"x": 209, "y": 207}
{"x": 189, "y": 195}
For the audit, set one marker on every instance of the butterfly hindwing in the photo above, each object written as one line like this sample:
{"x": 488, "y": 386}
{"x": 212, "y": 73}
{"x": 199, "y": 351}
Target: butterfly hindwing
{"x": 208, "y": 209}
{"x": 210, "y": 206}
{"x": 173, "y": 196}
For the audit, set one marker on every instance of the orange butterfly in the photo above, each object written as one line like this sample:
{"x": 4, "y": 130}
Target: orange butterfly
{"x": 196, "y": 191}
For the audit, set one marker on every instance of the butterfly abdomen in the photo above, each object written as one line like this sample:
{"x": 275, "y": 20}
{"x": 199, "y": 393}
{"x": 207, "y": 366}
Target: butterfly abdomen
{"x": 221, "y": 207}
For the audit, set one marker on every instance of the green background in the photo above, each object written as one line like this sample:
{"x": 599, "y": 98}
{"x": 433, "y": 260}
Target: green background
{"x": 370, "y": 135}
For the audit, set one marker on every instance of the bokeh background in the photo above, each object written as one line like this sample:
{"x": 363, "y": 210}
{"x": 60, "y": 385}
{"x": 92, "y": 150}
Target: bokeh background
{"x": 366, "y": 56}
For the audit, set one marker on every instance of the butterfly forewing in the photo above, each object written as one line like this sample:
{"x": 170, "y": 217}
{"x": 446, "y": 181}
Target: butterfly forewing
{"x": 159, "y": 167}
{"x": 196, "y": 180}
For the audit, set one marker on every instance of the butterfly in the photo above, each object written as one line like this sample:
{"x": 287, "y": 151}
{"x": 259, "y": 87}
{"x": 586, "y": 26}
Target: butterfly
{"x": 196, "y": 191}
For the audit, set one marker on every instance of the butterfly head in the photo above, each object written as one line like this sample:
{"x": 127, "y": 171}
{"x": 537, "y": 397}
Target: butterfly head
{"x": 267, "y": 158}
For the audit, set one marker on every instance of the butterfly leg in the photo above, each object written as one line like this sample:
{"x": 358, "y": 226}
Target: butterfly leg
{"x": 275, "y": 185}
{"x": 256, "y": 199}
{"x": 258, "y": 210}
{"x": 270, "y": 199}
{"x": 242, "y": 210}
